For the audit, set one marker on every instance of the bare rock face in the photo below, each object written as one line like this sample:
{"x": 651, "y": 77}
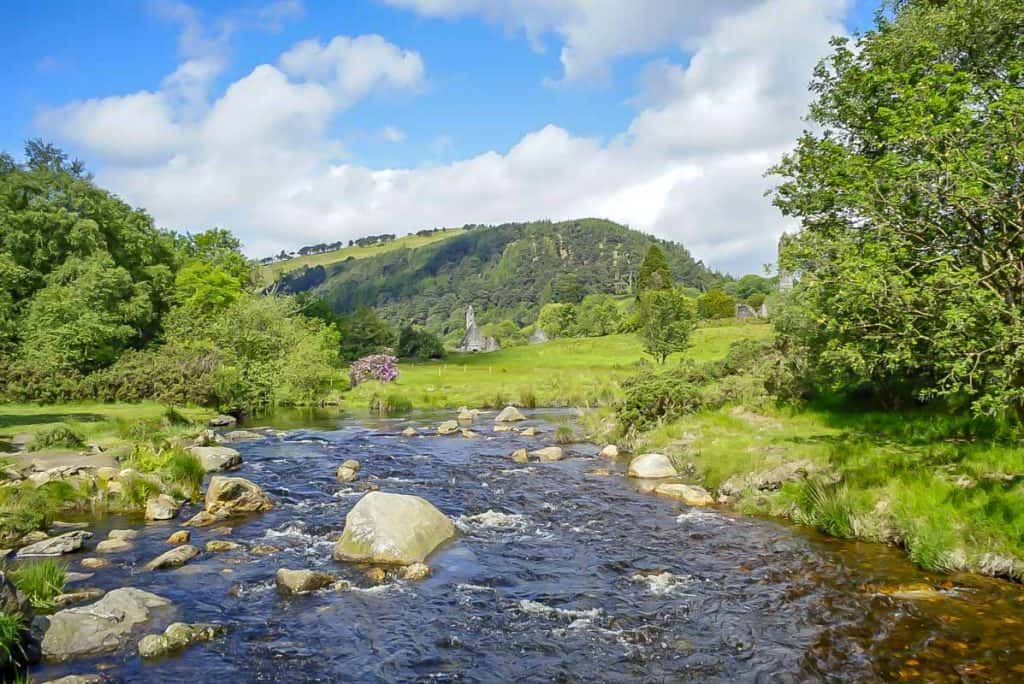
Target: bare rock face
{"x": 395, "y": 529}
{"x": 652, "y": 466}
{"x": 509, "y": 414}
{"x": 217, "y": 458}
{"x": 235, "y": 495}
{"x": 100, "y": 627}
{"x": 301, "y": 581}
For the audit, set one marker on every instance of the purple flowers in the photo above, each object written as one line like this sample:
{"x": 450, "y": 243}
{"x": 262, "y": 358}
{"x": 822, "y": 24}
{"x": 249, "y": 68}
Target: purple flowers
{"x": 382, "y": 367}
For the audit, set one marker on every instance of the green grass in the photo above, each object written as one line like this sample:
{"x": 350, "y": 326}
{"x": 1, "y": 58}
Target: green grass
{"x": 25, "y": 508}
{"x": 59, "y": 436}
{"x": 565, "y": 372}
{"x": 12, "y": 631}
{"x": 272, "y": 272}
{"x": 42, "y": 581}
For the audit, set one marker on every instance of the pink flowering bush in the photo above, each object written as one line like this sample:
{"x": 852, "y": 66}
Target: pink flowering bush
{"x": 381, "y": 367}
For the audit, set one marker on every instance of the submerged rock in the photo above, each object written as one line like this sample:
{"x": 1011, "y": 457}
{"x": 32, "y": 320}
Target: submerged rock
{"x": 509, "y": 414}
{"x": 530, "y": 432}
{"x": 94, "y": 563}
{"x": 652, "y": 466}
{"x": 68, "y": 542}
{"x": 202, "y": 519}
{"x": 162, "y": 507}
{"x": 176, "y": 637}
{"x": 221, "y": 545}
{"x": 690, "y": 495}
{"x": 235, "y": 495}
{"x": 217, "y": 458}
{"x": 551, "y": 453}
{"x": 174, "y": 558}
{"x": 301, "y": 581}
{"x": 99, "y": 627}
{"x": 77, "y": 679}
{"x": 501, "y": 428}
{"x": 410, "y": 432}
{"x": 392, "y": 528}
{"x": 348, "y": 471}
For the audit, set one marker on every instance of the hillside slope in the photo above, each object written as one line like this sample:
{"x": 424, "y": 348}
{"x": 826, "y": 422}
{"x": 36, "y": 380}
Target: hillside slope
{"x": 505, "y": 271}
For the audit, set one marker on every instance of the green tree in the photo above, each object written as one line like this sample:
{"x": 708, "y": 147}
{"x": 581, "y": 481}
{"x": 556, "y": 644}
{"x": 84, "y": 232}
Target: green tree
{"x": 715, "y": 304}
{"x": 667, "y": 320}
{"x": 752, "y": 284}
{"x": 654, "y": 271}
{"x": 205, "y": 288}
{"x": 567, "y": 288}
{"x": 598, "y": 315}
{"x": 364, "y": 332}
{"x": 557, "y": 320}
{"x": 910, "y": 262}
{"x": 418, "y": 343}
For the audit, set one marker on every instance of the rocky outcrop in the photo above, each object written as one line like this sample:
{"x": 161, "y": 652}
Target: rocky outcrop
{"x": 652, "y": 466}
{"x": 348, "y": 471}
{"x": 395, "y": 529}
{"x": 690, "y": 495}
{"x": 68, "y": 542}
{"x": 162, "y": 507}
{"x": 99, "y": 627}
{"x": 177, "y": 636}
{"x": 551, "y": 453}
{"x": 217, "y": 458}
{"x": 767, "y": 480}
{"x": 509, "y": 414}
{"x": 174, "y": 558}
{"x": 235, "y": 496}
{"x": 301, "y": 581}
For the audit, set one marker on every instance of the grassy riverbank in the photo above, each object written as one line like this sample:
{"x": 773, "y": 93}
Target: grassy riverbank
{"x": 565, "y": 372}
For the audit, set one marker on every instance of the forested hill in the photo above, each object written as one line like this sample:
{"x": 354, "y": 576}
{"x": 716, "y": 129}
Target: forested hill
{"x": 505, "y": 272}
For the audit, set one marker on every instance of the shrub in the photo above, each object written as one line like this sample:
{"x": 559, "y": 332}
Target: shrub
{"x": 564, "y": 435}
{"x": 25, "y": 508}
{"x": 390, "y": 405}
{"x": 650, "y": 397}
{"x": 715, "y": 304}
{"x": 379, "y": 367}
{"x": 41, "y": 581}
{"x": 59, "y": 436}
{"x": 418, "y": 343}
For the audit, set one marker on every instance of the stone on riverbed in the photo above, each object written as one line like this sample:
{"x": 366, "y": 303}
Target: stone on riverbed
{"x": 235, "y": 496}
{"x": 216, "y": 458}
{"x": 690, "y": 495}
{"x": 55, "y": 546}
{"x": 551, "y": 453}
{"x": 348, "y": 471}
{"x": 174, "y": 558}
{"x": 114, "y": 546}
{"x": 448, "y": 427}
{"x": 220, "y": 545}
{"x": 94, "y": 563}
{"x": 179, "y": 537}
{"x": 242, "y": 436}
{"x": 162, "y": 507}
{"x": 530, "y": 432}
{"x": 610, "y": 451}
{"x": 176, "y": 637}
{"x": 301, "y": 581}
{"x": 520, "y": 456}
{"x": 396, "y": 529}
{"x": 416, "y": 571}
{"x": 99, "y": 627}
{"x": 509, "y": 414}
{"x": 410, "y": 432}
{"x": 651, "y": 466}
{"x": 202, "y": 519}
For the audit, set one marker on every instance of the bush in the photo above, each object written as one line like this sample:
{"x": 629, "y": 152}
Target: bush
{"x": 418, "y": 343}
{"x": 715, "y": 304}
{"x": 59, "y": 436}
{"x": 379, "y": 367}
{"x": 41, "y": 581}
{"x": 597, "y": 315}
{"x": 651, "y": 397}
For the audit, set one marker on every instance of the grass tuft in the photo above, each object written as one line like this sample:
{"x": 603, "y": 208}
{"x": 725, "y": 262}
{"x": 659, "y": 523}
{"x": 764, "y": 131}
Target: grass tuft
{"x": 59, "y": 436}
{"x": 42, "y": 581}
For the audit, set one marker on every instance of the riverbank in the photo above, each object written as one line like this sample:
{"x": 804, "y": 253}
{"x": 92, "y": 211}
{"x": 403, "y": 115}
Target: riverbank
{"x": 945, "y": 490}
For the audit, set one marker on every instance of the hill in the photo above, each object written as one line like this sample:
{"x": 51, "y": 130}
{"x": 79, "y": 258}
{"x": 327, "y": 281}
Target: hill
{"x": 505, "y": 272}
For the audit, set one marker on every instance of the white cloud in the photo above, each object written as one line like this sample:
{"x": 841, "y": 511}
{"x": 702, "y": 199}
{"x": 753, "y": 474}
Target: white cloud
{"x": 261, "y": 160}
{"x": 392, "y": 134}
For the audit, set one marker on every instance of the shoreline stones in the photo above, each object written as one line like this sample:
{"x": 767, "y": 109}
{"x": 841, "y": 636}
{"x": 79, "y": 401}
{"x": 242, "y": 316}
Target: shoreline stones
{"x": 609, "y": 451}
{"x": 691, "y": 495}
{"x": 217, "y": 458}
{"x": 174, "y": 558}
{"x": 223, "y": 420}
{"x": 177, "y": 636}
{"x": 348, "y": 471}
{"x": 509, "y": 414}
{"x": 99, "y": 627}
{"x": 652, "y": 466}
{"x": 395, "y": 529}
{"x": 162, "y": 507}
{"x": 301, "y": 581}
{"x": 235, "y": 495}
{"x": 68, "y": 542}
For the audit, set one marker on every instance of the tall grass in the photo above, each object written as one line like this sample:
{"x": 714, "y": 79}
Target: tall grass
{"x": 12, "y": 632}
{"x": 59, "y": 436}
{"x": 390, "y": 404}
{"x": 42, "y": 581}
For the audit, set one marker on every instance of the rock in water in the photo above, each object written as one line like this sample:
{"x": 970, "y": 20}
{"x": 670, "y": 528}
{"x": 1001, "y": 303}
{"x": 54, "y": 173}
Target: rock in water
{"x": 55, "y": 546}
{"x": 99, "y": 627}
{"x": 174, "y": 558}
{"x": 509, "y": 414}
{"x": 348, "y": 471}
{"x": 448, "y": 427}
{"x": 301, "y": 581}
{"x": 222, "y": 420}
{"x": 177, "y": 636}
{"x": 610, "y": 451}
{"x": 688, "y": 494}
{"x": 161, "y": 507}
{"x": 179, "y": 537}
{"x": 217, "y": 458}
{"x": 651, "y": 466}
{"x": 235, "y": 495}
{"x": 520, "y": 456}
{"x": 221, "y": 545}
{"x": 392, "y": 528}
{"x": 410, "y": 432}
{"x": 552, "y": 453}
{"x": 242, "y": 436}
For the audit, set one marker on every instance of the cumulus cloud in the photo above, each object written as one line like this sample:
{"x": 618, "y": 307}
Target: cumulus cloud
{"x": 261, "y": 159}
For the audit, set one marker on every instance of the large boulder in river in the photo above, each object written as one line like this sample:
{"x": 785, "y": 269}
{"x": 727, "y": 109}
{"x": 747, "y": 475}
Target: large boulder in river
{"x": 217, "y": 458}
{"x": 652, "y": 466}
{"x": 99, "y": 627}
{"x": 509, "y": 414}
{"x": 55, "y": 546}
{"x": 397, "y": 529}
{"x": 162, "y": 507}
{"x": 235, "y": 495}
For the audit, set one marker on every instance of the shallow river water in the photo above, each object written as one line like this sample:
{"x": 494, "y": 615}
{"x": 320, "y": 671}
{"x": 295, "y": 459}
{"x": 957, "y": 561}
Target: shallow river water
{"x": 558, "y": 574}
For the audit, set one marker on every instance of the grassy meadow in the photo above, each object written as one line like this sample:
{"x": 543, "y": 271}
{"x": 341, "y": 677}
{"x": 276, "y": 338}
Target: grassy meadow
{"x": 270, "y": 272}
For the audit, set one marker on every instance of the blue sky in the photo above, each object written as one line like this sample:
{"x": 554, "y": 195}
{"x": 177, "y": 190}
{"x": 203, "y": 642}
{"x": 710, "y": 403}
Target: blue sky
{"x": 452, "y": 90}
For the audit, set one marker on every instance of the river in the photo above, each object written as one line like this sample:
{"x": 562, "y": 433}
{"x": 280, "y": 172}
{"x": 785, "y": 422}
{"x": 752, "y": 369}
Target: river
{"x": 558, "y": 574}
